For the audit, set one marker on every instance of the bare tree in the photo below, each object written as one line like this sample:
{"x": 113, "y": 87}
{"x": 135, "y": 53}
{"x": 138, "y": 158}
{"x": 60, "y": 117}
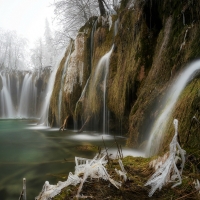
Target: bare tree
{"x": 43, "y": 54}
{"x": 72, "y": 14}
{"x": 12, "y": 50}
{"x": 37, "y": 54}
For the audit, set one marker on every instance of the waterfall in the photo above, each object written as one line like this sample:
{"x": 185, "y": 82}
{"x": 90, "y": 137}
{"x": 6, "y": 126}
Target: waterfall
{"x": 18, "y": 90}
{"x": 62, "y": 83}
{"x": 159, "y": 127}
{"x": 20, "y": 96}
{"x": 7, "y": 109}
{"x": 28, "y": 98}
{"x": 92, "y": 40}
{"x": 103, "y": 69}
{"x": 25, "y": 97}
{"x": 116, "y": 25}
{"x": 81, "y": 98}
{"x": 45, "y": 107}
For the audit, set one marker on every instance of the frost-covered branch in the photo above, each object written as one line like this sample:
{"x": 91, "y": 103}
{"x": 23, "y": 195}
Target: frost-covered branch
{"x": 89, "y": 168}
{"x": 122, "y": 172}
{"x": 168, "y": 171}
{"x": 72, "y": 14}
{"x": 197, "y": 185}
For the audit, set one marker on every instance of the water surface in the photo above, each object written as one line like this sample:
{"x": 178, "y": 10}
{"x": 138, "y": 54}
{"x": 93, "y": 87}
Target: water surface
{"x": 39, "y": 154}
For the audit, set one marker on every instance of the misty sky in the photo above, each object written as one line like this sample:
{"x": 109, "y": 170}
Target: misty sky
{"x": 27, "y": 17}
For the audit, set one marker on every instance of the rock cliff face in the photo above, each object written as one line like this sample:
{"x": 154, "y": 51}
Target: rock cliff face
{"x": 145, "y": 47}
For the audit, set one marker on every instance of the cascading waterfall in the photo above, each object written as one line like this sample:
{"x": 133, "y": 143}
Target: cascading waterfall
{"x": 87, "y": 83}
{"x": 45, "y": 107}
{"x": 103, "y": 68}
{"x": 18, "y": 91}
{"x": 62, "y": 83}
{"x": 19, "y": 95}
{"x": 92, "y": 40}
{"x": 7, "y": 109}
{"x": 23, "y": 105}
{"x": 158, "y": 129}
{"x": 77, "y": 103}
{"x": 116, "y": 24}
{"x": 27, "y": 95}
{"x": 94, "y": 96}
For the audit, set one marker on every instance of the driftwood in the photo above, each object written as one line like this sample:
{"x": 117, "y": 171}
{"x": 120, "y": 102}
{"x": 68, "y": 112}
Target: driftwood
{"x": 62, "y": 128}
{"x": 86, "y": 122}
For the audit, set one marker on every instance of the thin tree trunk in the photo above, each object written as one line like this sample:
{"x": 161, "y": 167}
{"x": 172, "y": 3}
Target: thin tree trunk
{"x": 101, "y": 8}
{"x": 86, "y": 122}
{"x": 62, "y": 128}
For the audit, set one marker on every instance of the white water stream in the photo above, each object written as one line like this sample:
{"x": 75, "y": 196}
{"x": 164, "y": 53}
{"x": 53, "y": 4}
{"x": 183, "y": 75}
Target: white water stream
{"x": 62, "y": 83}
{"x": 159, "y": 127}
{"x": 7, "y": 110}
{"x": 49, "y": 90}
{"x": 18, "y": 96}
{"x": 103, "y": 68}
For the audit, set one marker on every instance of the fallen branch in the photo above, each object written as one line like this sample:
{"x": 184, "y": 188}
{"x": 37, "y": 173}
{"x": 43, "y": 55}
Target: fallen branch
{"x": 62, "y": 128}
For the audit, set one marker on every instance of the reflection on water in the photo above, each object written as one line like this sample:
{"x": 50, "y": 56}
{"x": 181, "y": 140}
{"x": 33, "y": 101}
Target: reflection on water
{"x": 38, "y": 154}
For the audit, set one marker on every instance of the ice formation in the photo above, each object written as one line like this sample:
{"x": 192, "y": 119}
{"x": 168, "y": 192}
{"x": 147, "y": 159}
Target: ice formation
{"x": 197, "y": 185}
{"x": 159, "y": 161}
{"x": 74, "y": 73}
{"x": 122, "y": 173}
{"x": 168, "y": 171}
{"x": 85, "y": 168}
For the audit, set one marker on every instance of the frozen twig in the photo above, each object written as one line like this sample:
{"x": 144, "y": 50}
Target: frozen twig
{"x": 121, "y": 172}
{"x": 90, "y": 168}
{"x": 168, "y": 171}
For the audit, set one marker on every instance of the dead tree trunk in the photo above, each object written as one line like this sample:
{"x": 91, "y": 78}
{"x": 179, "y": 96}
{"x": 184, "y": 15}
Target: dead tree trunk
{"x": 86, "y": 122}
{"x": 62, "y": 128}
{"x": 101, "y": 8}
